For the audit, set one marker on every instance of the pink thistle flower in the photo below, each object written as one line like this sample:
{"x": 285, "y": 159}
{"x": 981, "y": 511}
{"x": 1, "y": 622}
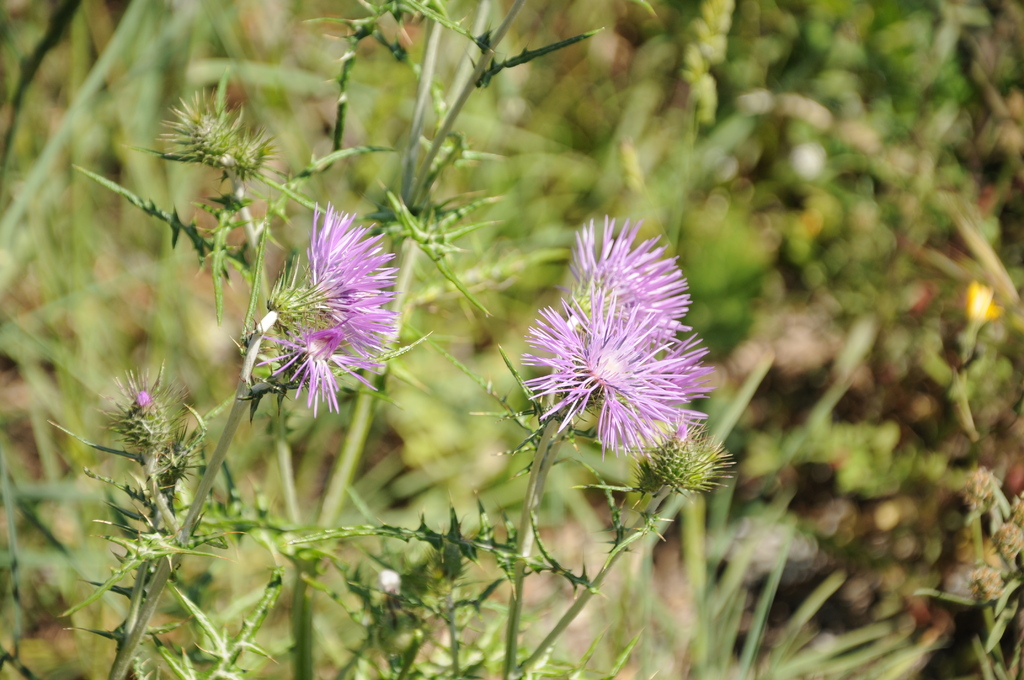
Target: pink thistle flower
{"x": 314, "y": 355}
{"x": 339, "y": 319}
{"x": 615, "y": 361}
{"x": 634, "y": 278}
{"x": 346, "y": 266}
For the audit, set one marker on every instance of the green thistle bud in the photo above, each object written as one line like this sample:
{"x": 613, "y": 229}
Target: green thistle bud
{"x": 688, "y": 461}
{"x": 149, "y": 416}
{"x": 1017, "y": 512}
{"x": 979, "y": 490}
{"x": 985, "y": 583}
{"x": 1009, "y": 541}
{"x": 207, "y": 133}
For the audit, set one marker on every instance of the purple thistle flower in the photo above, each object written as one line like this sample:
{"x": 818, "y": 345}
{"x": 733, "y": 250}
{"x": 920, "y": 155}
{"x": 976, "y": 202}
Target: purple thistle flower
{"x": 615, "y": 361}
{"x": 635, "y": 278}
{"x": 340, "y": 320}
{"x": 314, "y": 354}
{"x": 346, "y": 266}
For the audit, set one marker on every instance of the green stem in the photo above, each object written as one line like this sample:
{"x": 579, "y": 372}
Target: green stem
{"x": 423, "y": 184}
{"x": 302, "y": 626}
{"x": 542, "y": 462}
{"x": 419, "y": 110}
{"x": 584, "y": 597}
{"x": 284, "y": 464}
{"x": 134, "y": 635}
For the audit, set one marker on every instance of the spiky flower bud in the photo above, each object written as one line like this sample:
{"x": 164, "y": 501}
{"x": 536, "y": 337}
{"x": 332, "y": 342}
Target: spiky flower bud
{"x": 979, "y": 490}
{"x": 1017, "y": 512}
{"x": 206, "y": 132}
{"x": 690, "y": 460}
{"x": 150, "y": 416}
{"x": 1009, "y": 541}
{"x": 985, "y": 583}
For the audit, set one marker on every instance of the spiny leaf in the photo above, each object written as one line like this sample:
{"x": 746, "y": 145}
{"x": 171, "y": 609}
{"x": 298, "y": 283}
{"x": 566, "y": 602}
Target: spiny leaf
{"x": 117, "y": 452}
{"x": 528, "y": 55}
{"x": 301, "y": 199}
{"x": 215, "y": 635}
{"x": 320, "y": 164}
{"x": 201, "y": 245}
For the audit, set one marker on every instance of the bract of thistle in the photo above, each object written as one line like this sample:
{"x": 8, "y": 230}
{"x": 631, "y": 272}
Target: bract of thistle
{"x": 337, "y": 318}
{"x": 615, "y": 361}
{"x": 633, "y": 277}
{"x": 150, "y": 415}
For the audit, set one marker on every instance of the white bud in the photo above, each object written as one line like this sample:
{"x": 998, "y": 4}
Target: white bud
{"x": 389, "y": 581}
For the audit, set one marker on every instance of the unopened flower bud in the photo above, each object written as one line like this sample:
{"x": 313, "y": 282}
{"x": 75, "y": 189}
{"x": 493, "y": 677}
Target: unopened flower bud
{"x": 205, "y": 132}
{"x": 985, "y": 583}
{"x": 149, "y": 417}
{"x": 390, "y": 582}
{"x": 687, "y": 461}
{"x": 1017, "y": 512}
{"x": 979, "y": 490}
{"x": 1009, "y": 540}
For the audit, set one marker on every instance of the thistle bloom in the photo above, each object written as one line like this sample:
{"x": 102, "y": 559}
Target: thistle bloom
{"x": 614, "y": 361}
{"x": 338, "y": 319}
{"x": 346, "y": 267}
{"x": 635, "y": 278}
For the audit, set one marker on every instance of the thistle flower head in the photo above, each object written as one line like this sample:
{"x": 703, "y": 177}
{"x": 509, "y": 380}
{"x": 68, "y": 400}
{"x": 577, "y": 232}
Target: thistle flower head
{"x": 1009, "y": 541}
{"x": 149, "y": 416}
{"x": 688, "y": 460}
{"x": 336, "y": 319}
{"x": 206, "y": 132}
{"x": 613, "y": 361}
{"x": 985, "y": 583}
{"x": 979, "y": 490}
{"x": 634, "y": 278}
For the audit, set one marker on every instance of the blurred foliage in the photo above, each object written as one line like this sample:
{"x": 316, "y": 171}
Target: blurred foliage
{"x": 862, "y": 166}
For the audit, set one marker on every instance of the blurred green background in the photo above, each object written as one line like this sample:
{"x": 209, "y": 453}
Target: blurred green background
{"x": 860, "y": 167}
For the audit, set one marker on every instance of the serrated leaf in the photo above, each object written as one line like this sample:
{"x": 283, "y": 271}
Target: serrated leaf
{"x": 117, "y": 452}
{"x": 529, "y": 55}
{"x": 201, "y": 245}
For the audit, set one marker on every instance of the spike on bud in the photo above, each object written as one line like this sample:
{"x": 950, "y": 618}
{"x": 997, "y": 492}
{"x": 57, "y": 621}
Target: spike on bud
{"x": 689, "y": 460}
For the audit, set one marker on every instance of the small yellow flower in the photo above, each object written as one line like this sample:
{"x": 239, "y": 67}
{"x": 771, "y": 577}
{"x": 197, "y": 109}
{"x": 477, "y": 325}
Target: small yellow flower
{"x": 980, "y": 306}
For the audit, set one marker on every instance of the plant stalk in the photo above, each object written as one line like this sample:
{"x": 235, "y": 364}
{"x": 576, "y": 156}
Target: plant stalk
{"x": 423, "y": 185}
{"x": 547, "y": 450}
{"x": 584, "y": 597}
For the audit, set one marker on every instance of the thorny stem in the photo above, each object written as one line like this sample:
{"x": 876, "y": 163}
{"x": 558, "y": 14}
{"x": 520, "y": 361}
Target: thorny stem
{"x": 453, "y": 633}
{"x": 252, "y": 230}
{"x": 419, "y": 111}
{"x": 347, "y": 60}
{"x": 284, "y": 463}
{"x": 584, "y": 597}
{"x": 134, "y": 634}
{"x": 543, "y": 460}
{"x": 418, "y": 188}
{"x": 423, "y": 185}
